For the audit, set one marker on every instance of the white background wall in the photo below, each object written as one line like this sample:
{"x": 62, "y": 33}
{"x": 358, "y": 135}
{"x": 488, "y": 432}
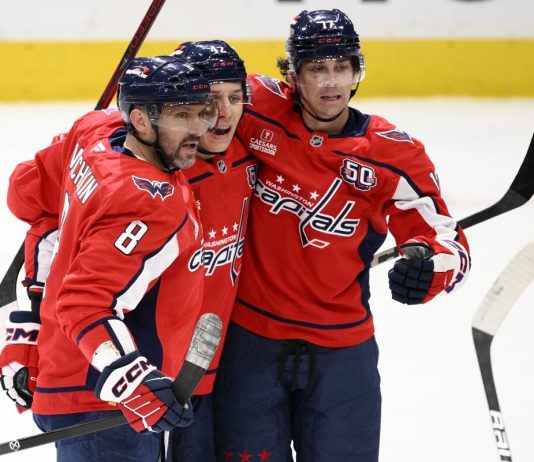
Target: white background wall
{"x": 234, "y": 19}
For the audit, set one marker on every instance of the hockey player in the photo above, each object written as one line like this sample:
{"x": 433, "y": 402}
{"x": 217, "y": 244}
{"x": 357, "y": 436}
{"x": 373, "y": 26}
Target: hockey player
{"x": 300, "y": 359}
{"x": 120, "y": 296}
{"x": 222, "y": 181}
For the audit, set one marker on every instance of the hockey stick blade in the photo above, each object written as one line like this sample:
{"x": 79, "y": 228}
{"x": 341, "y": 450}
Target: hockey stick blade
{"x": 8, "y": 286}
{"x": 519, "y": 192}
{"x": 203, "y": 346}
{"x": 502, "y": 295}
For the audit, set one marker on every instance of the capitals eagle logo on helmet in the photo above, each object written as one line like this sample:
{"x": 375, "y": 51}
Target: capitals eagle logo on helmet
{"x": 154, "y": 188}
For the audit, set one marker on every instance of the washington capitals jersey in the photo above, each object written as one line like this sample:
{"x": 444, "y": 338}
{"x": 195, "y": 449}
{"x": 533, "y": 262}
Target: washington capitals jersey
{"x": 120, "y": 272}
{"x": 222, "y": 187}
{"x": 322, "y": 207}
{"x": 35, "y": 192}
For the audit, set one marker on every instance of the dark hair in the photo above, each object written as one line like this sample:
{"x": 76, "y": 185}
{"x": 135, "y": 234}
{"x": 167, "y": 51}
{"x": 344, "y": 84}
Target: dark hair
{"x": 283, "y": 66}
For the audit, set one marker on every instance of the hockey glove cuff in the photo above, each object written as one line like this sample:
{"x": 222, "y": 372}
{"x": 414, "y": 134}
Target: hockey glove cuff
{"x": 144, "y": 395}
{"x": 19, "y": 358}
{"x": 428, "y": 267}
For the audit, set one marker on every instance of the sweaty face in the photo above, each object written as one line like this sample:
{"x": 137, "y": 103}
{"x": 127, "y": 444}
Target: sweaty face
{"x": 229, "y": 98}
{"x": 180, "y": 129}
{"x": 325, "y": 85}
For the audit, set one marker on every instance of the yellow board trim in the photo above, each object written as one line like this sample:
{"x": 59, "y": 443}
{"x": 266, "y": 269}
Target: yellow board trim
{"x": 41, "y": 71}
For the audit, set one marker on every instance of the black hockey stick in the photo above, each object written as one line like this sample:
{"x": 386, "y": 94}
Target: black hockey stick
{"x": 502, "y": 295}
{"x": 519, "y": 192}
{"x": 133, "y": 47}
{"x": 8, "y": 286}
{"x": 203, "y": 345}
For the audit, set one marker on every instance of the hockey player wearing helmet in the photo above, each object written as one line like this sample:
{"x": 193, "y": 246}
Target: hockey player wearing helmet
{"x": 120, "y": 295}
{"x": 325, "y": 66}
{"x": 299, "y": 366}
{"x": 165, "y": 113}
{"x": 227, "y": 75}
{"x": 222, "y": 180}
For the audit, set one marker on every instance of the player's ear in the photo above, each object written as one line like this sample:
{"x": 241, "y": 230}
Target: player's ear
{"x": 292, "y": 79}
{"x": 140, "y": 121}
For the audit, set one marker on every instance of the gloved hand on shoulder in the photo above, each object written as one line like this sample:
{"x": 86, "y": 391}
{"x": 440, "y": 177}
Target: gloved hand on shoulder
{"x": 19, "y": 358}
{"x": 427, "y": 268}
{"x": 143, "y": 393}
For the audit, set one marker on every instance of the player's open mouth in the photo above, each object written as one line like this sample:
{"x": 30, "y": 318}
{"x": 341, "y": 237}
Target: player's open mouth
{"x": 331, "y": 97}
{"x": 221, "y": 131}
{"x": 189, "y": 147}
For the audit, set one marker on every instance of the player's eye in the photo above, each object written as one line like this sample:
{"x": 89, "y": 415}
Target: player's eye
{"x": 183, "y": 115}
{"x": 317, "y": 69}
{"x": 342, "y": 67}
{"x": 236, "y": 98}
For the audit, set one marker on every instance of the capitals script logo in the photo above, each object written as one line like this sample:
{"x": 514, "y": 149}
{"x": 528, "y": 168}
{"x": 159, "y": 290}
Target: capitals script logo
{"x": 396, "y": 135}
{"x": 229, "y": 254}
{"x": 313, "y": 221}
{"x": 154, "y": 188}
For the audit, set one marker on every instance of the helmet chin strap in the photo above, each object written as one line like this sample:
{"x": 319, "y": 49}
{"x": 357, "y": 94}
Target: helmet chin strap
{"x": 157, "y": 148}
{"x": 210, "y": 153}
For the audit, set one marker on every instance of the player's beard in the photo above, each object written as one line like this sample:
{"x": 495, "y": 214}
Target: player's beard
{"x": 183, "y": 156}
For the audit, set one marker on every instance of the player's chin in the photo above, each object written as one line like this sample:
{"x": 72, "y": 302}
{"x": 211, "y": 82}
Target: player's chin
{"x": 185, "y": 161}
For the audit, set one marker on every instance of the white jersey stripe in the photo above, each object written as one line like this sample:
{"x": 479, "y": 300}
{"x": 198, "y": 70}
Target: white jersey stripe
{"x": 152, "y": 269}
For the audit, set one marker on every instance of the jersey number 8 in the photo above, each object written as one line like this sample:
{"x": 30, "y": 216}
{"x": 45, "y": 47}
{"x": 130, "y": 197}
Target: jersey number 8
{"x": 133, "y": 233}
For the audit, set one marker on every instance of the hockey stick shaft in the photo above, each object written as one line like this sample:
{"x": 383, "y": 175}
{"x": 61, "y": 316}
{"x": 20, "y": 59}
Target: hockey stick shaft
{"x": 519, "y": 192}
{"x": 203, "y": 346}
{"x": 132, "y": 49}
{"x": 8, "y": 286}
{"x": 482, "y": 342}
{"x": 502, "y": 295}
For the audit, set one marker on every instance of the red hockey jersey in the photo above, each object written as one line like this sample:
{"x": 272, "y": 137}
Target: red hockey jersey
{"x": 127, "y": 231}
{"x": 322, "y": 207}
{"x": 223, "y": 187}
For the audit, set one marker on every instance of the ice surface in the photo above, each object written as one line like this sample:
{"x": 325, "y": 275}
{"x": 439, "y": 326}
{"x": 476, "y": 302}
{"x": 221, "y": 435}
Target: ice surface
{"x": 434, "y": 407}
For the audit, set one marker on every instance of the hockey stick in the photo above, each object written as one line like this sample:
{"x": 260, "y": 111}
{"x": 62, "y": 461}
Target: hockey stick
{"x": 496, "y": 304}
{"x": 132, "y": 49}
{"x": 8, "y": 286}
{"x": 519, "y": 192}
{"x": 201, "y": 350}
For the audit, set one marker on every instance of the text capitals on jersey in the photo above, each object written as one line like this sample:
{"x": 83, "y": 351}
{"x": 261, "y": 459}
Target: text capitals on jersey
{"x": 311, "y": 219}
